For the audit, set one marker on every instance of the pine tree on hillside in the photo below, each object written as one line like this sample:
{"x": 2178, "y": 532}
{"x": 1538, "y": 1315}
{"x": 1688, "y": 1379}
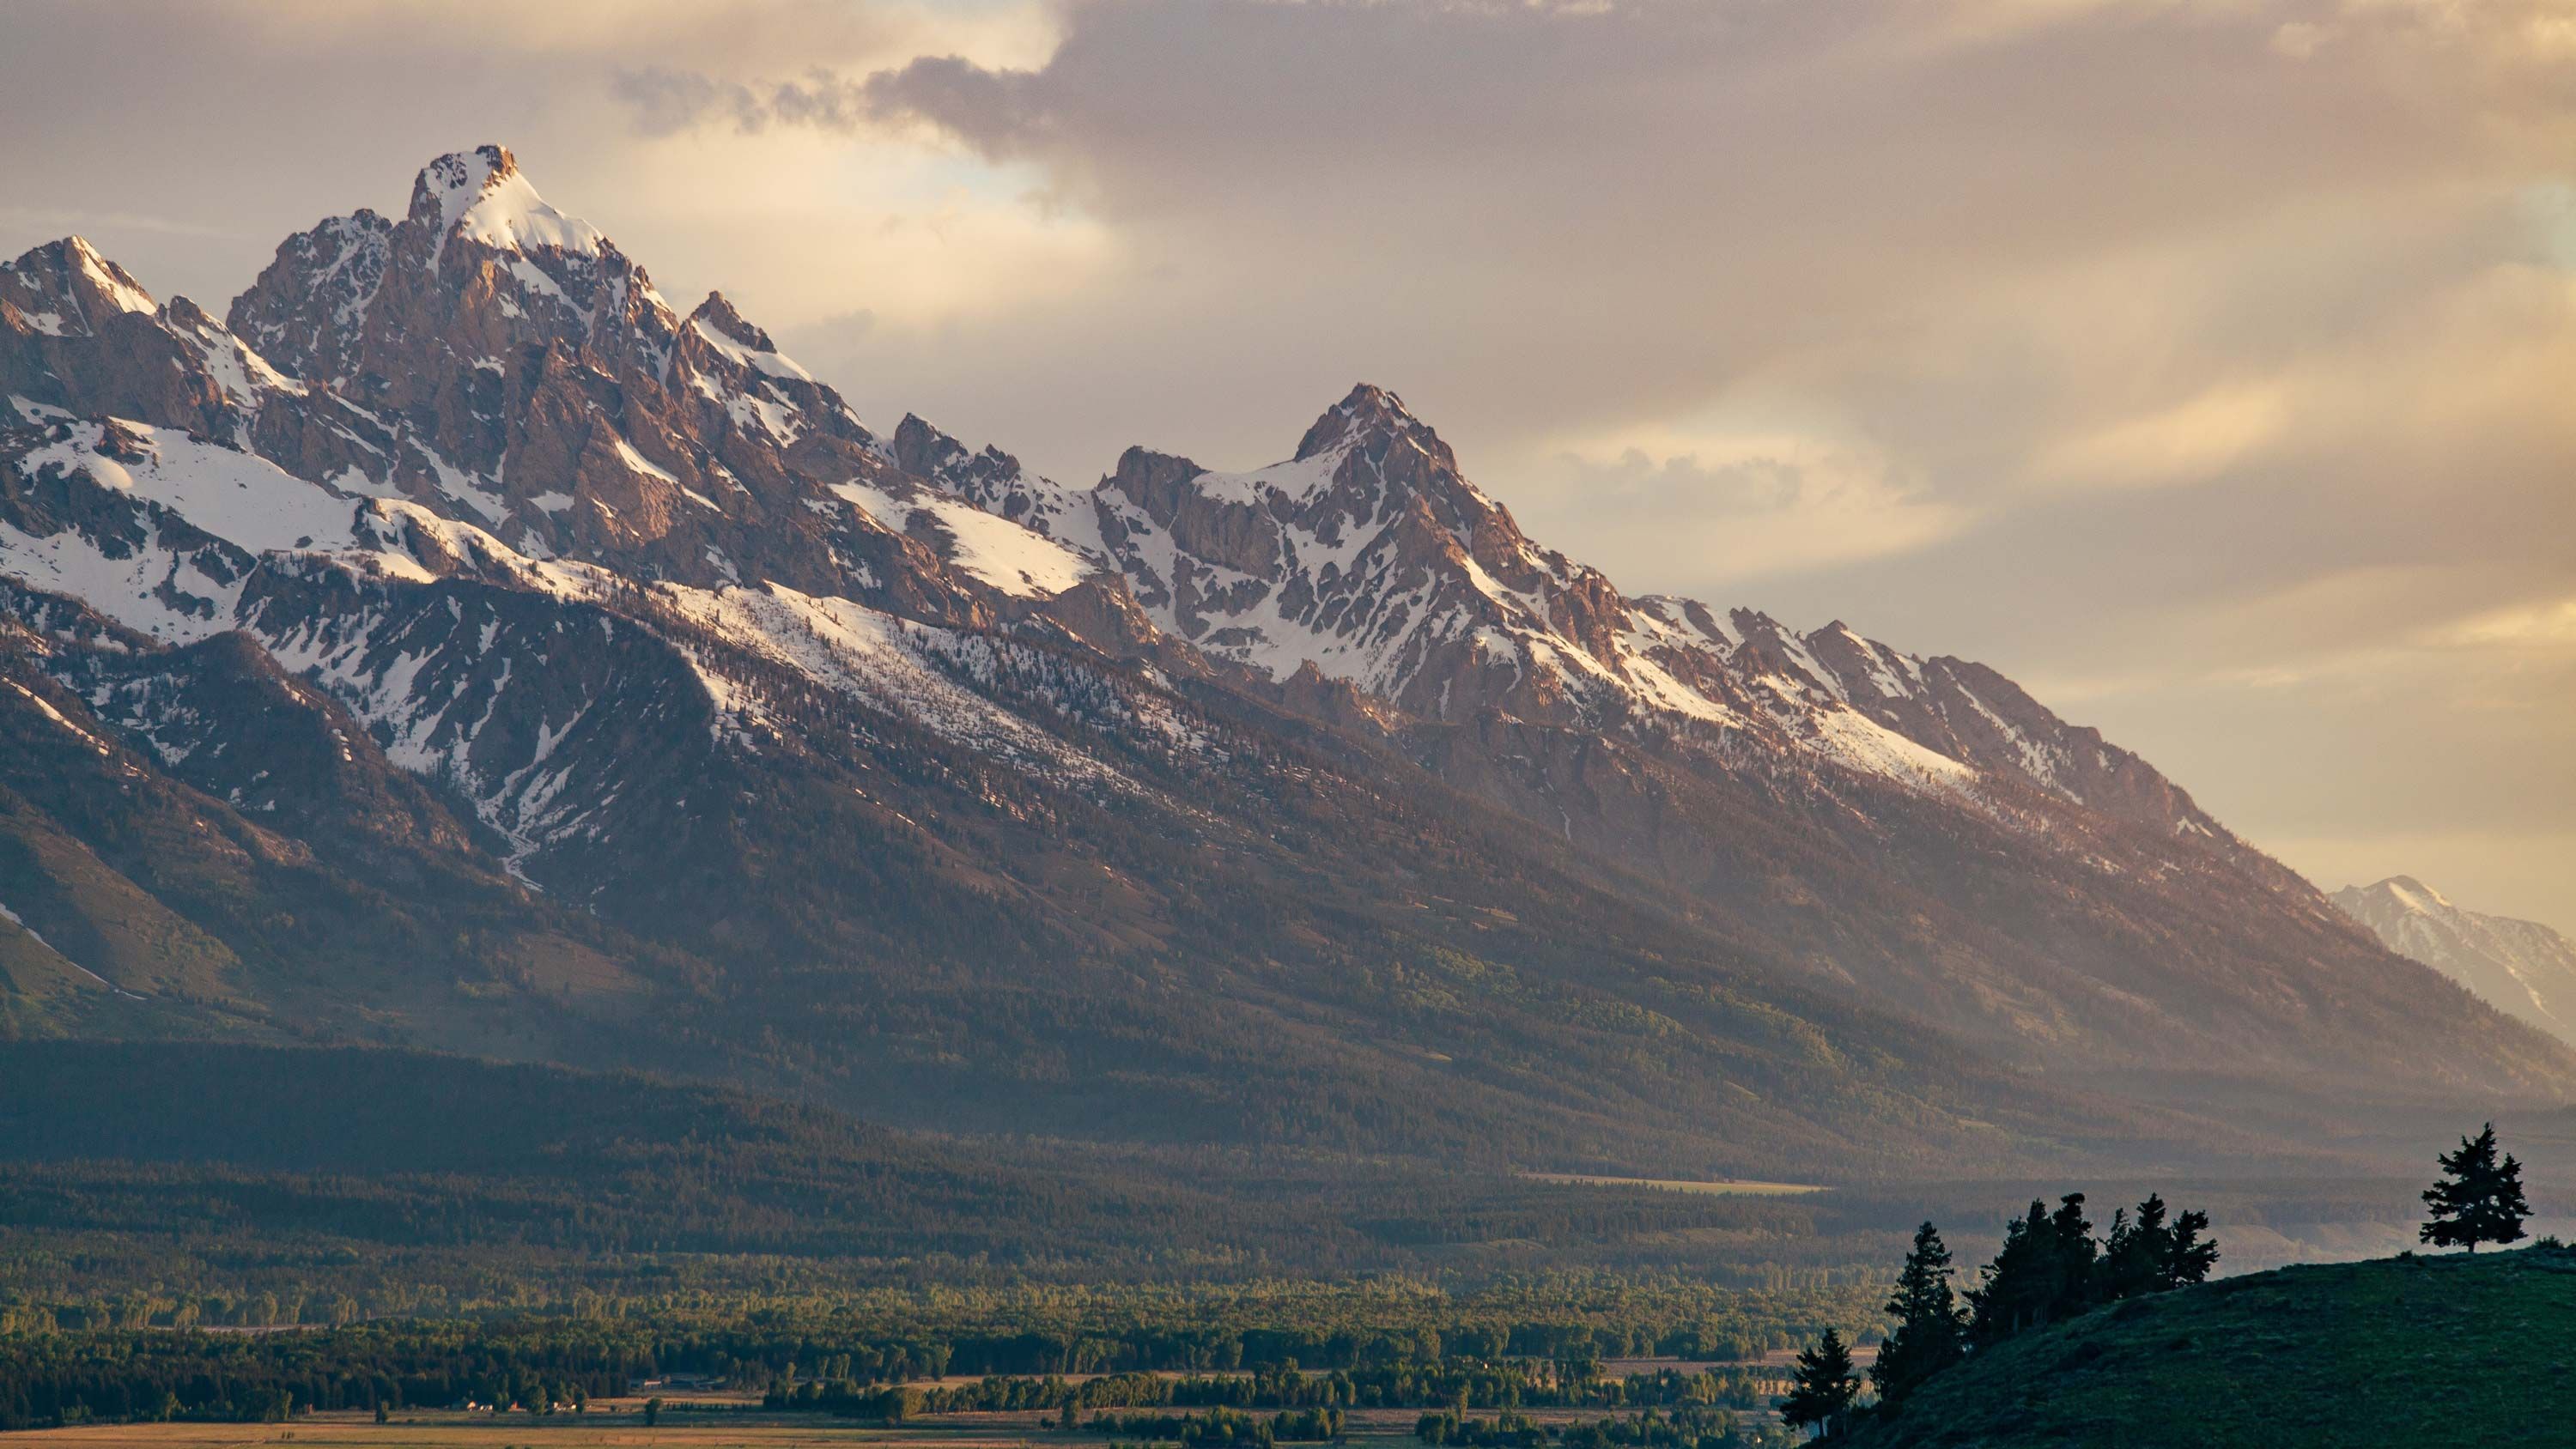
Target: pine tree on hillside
{"x": 1931, "y": 1328}
{"x": 2134, "y": 1257}
{"x": 2072, "y": 1282}
{"x": 1821, "y": 1394}
{"x": 2053, "y": 1268}
{"x": 2478, "y": 1200}
{"x": 2187, "y": 1258}
{"x": 2013, "y": 1290}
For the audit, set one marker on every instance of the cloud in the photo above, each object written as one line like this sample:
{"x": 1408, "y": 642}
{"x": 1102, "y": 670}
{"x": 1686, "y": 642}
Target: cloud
{"x": 2188, "y": 441}
{"x": 999, "y": 113}
{"x": 2548, "y": 625}
{"x": 1737, "y": 510}
{"x": 666, "y": 101}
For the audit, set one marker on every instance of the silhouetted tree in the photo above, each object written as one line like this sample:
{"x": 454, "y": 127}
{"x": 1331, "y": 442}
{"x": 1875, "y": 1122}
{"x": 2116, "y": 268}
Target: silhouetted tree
{"x": 2073, "y": 1255}
{"x": 1931, "y": 1328}
{"x": 1822, "y": 1391}
{"x": 2133, "y": 1256}
{"x": 2478, "y": 1200}
{"x": 2020, "y": 1284}
{"x": 2188, "y": 1259}
{"x": 2052, "y": 1267}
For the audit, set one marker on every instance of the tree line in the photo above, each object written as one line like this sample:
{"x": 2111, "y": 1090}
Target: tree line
{"x": 1222, "y": 1426}
{"x": 2052, "y": 1267}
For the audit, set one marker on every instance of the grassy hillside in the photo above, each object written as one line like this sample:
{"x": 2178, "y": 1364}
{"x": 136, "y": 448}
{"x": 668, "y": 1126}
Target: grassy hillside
{"x": 2401, "y": 1351}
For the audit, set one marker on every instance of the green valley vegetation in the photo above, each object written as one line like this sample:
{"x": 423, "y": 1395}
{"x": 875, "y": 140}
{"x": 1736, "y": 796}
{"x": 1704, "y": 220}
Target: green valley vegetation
{"x": 438, "y": 1230}
{"x": 840, "y": 1364}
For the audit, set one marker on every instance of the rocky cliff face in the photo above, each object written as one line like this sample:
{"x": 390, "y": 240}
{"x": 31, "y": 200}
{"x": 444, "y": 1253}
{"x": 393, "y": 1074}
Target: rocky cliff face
{"x": 506, "y": 365}
{"x": 570, "y": 676}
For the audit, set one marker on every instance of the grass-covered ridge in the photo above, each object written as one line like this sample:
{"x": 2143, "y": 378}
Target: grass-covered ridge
{"x": 2399, "y": 1351}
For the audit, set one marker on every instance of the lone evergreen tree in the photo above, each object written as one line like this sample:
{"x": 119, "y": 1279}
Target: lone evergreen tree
{"x": 1822, "y": 1392}
{"x": 2477, "y": 1199}
{"x": 1931, "y": 1328}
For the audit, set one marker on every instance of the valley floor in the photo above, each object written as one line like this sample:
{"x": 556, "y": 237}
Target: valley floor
{"x": 722, "y": 1422}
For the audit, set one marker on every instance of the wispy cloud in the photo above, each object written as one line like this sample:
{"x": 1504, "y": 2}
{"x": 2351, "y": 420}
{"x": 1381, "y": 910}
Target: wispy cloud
{"x": 2186, "y": 442}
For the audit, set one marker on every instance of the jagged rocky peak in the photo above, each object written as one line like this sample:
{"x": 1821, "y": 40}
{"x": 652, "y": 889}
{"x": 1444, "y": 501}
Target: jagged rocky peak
{"x": 717, "y": 313}
{"x": 65, "y": 288}
{"x": 302, "y": 312}
{"x": 923, "y": 451}
{"x": 1368, "y": 410}
{"x": 751, "y": 356}
{"x": 482, "y": 194}
{"x": 1367, "y": 460}
{"x": 479, "y": 266}
{"x": 79, "y": 334}
{"x": 1386, "y": 463}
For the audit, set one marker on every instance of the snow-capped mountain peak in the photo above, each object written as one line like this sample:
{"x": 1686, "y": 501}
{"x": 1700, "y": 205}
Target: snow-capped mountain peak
{"x": 2412, "y": 894}
{"x": 482, "y": 195}
{"x": 1368, "y": 408}
{"x": 731, "y": 334}
{"x": 66, "y": 288}
{"x": 2521, "y": 968}
{"x": 1369, "y": 558}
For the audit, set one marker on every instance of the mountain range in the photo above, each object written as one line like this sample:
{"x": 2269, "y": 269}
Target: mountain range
{"x": 2523, "y": 968}
{"x": 456, "y": 645}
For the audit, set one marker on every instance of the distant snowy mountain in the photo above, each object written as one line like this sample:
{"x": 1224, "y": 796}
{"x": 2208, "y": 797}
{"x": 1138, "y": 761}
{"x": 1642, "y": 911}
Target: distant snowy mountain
{"x": 458, "y": 644}
{"x": 2522, "y": 968}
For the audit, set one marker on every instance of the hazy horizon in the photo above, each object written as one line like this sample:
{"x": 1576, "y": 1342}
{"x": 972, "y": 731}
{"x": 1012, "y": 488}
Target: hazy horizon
{"x": 2201, "y": 366}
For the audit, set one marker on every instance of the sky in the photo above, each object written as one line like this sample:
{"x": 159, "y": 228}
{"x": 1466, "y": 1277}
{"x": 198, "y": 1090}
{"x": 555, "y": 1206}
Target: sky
{"x": 2209, "y": 366}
